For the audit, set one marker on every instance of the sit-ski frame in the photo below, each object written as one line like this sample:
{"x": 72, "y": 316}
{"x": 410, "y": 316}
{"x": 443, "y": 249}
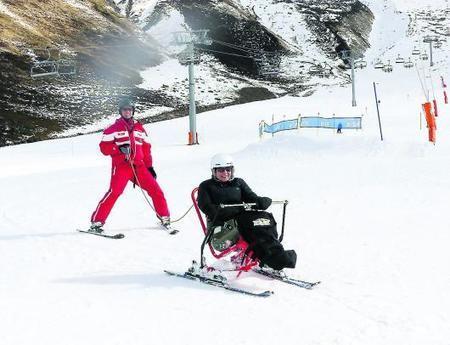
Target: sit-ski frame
{"x": 240, "y": 247}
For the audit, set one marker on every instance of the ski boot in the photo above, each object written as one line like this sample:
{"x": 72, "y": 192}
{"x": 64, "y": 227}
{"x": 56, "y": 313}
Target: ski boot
{"x": 165, "y": 221}
{"x": 96, "y": 227}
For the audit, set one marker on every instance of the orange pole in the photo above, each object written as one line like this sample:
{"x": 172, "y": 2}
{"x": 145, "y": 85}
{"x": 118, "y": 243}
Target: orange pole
{"x": 431, "y": 122}
{"x": 191, "y": 140}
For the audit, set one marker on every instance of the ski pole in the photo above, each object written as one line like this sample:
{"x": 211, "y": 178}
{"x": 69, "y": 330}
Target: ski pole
{"x": 244, "y": 205}
{"x": 285, "y": 202}
{"x": 274, "y": 202}
{"x": 252, "y": 203}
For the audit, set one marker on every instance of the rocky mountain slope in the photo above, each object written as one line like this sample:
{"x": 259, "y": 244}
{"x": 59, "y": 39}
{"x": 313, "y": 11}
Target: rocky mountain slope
{"x": 259, "y": 49}
{"x": 91, "y": 35}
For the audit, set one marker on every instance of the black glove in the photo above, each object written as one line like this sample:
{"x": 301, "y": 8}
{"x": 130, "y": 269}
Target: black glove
{"x": 152, "y": 171}
{"x": 125, "y": 149}
{"x": 263, "y": 203}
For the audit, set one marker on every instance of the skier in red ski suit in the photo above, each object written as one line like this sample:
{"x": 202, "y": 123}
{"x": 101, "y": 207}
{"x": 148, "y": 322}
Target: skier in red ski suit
{"x": 129, "y": 147}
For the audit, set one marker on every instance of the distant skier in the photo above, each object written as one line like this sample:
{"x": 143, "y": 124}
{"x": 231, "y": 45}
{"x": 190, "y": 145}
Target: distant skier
{"x": 258, "y": 228}
{"x": 339, "y": 128}
{"x": 129, "y": 147}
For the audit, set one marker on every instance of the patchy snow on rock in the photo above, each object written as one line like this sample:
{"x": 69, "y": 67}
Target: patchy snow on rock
{"x": 80, "y": 5}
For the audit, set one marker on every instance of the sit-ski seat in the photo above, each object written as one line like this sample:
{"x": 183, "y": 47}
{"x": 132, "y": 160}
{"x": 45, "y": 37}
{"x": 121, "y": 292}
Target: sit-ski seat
{"x": 238, "y": 249}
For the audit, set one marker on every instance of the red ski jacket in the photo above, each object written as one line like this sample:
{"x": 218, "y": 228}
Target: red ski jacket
{"x": 121, "y": 133}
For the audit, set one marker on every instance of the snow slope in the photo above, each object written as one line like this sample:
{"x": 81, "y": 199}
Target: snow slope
{"x": 367, "y": 218}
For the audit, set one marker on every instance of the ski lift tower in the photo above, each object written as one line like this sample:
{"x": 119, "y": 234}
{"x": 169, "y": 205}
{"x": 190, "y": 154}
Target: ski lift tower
{"x": 190, "y": 38}
{"x": 350, "y": 57}
{"x": 430, "y": 39}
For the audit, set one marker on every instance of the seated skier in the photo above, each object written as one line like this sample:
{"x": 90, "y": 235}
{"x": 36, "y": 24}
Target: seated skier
{"x": 256, "y": 226}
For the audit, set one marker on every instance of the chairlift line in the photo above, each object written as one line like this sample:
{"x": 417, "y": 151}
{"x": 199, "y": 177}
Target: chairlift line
{"x": 247, "y": 50}
{"x": 219, "y": 52}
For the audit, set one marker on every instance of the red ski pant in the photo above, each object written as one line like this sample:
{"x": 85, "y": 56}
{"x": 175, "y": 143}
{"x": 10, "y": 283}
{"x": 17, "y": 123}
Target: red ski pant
{"x": 120, "y": 176}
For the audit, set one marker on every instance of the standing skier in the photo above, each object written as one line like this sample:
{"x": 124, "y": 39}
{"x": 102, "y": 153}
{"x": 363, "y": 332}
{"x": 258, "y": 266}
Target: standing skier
{"x": 257, "y": 227}
{"x": 129, "y": 147}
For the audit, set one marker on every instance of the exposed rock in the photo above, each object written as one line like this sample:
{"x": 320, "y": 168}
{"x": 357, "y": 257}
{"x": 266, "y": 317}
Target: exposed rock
{"x": 228, "y": 22}
{"x": 108, "y": 57}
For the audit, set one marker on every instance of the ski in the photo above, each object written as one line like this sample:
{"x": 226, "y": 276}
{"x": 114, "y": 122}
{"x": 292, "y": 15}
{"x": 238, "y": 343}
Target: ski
{"x": 218, "y": 283}
{"x": 169, "y": 229}
{"x": 116, "y": 236}
{"x": 285, "y": 279}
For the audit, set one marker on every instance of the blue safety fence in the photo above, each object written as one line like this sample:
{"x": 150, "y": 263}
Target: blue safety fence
{"x": 311, "y": 122}
{"x": 330, "y": 122}
{"x": 280, "y": 126}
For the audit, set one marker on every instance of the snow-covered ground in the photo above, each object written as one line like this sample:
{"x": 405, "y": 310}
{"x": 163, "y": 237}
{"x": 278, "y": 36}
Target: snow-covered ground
{"x": 367, "y": 217}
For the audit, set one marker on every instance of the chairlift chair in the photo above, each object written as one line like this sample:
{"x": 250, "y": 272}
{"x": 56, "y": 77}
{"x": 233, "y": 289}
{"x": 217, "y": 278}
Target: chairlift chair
{"x": 387, "y": 67}
{"x": 66, "y": 67}
{"x": 44, "y": 69}
{"x": 399, "y": 59}
{"x": 378, "y": 65}
{"x": 408, "y": 64}
{"x": 415, "y": 51}
{"x": 424, "y": 56}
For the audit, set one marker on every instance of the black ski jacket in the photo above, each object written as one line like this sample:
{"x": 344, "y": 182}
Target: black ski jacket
{"x": 212, "y": 193}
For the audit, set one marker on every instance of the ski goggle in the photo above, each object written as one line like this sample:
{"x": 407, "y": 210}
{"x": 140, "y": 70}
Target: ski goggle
{"x": 222, "y": 170}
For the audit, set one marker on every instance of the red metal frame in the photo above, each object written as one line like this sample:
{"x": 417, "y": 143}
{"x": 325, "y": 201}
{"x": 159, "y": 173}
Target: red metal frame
{"x": 245, "y": 262}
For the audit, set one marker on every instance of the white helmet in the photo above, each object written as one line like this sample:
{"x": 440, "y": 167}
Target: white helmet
{"x": 222, "y": 160}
